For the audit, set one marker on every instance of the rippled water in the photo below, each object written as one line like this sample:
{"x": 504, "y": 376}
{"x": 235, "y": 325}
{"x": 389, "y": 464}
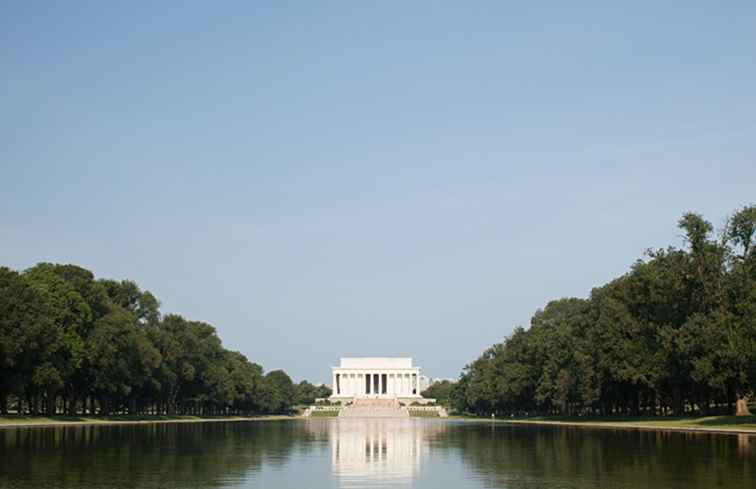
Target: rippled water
{"x": 334, "y": 453}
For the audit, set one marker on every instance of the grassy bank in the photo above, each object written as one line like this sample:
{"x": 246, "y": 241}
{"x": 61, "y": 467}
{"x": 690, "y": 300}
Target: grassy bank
{"x": 324, "y": 414}
{"x": 417, "y": 413}
{"x": 36, "y": 421}
{"x": 723, "y": 424}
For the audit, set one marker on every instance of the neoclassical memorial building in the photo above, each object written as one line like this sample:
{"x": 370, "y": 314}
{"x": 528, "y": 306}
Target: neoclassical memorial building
{"x": 376, "y": 377}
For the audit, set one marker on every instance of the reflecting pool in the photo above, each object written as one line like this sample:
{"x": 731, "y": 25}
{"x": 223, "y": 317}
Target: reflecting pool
{"x": 354, "y": 453}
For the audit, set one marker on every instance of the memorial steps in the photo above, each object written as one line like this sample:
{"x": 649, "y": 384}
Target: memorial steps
{"x": 374, "y": 408}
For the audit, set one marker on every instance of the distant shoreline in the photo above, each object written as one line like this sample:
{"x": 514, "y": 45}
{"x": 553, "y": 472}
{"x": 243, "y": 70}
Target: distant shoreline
{"x": 50, "y": 422}
{"x": 711, "y": 424}
{"x": 729, "y": 425}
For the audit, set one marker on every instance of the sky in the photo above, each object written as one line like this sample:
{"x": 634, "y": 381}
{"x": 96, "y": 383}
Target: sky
{"x": 327, "y": 179}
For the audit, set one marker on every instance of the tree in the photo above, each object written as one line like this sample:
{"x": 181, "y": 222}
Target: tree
{"x": 278, "y": 392}
{"x": 72, "y": 321}
{"x": 440, "y": 391}
{"x": 740, "y": 233}
{"x": 305, "y": 393}
{"x": 741, "y": 230}
{"x": 122, "y": 359}
{"x": 27, "y": 336}
{"x": 247, "y": 379}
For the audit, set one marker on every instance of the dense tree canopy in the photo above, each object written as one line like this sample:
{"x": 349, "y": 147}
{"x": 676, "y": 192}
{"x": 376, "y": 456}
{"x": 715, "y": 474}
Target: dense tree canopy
{"x": 440, "y": 391}
{"x": 306, "y": 393}
{"x": 70, "y": 343}
{"x": 676, "y": 334}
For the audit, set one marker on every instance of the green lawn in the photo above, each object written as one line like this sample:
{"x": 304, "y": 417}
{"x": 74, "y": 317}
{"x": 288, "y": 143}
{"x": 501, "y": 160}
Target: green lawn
{"x": 324, "y": 414}
{"x": 423, "y": 414}
{"x": 739, "y": 423}
{"x": 710, "y": 423}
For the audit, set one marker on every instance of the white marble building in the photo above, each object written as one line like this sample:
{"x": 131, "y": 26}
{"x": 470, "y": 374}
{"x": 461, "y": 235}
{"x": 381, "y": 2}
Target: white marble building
{"x": 375, "y": 377}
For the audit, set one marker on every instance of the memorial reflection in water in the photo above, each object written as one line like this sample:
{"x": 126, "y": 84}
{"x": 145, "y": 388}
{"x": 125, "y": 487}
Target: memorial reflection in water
{"x": 388, "y": 450}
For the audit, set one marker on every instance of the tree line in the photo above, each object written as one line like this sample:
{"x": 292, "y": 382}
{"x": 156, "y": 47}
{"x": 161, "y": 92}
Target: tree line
{"x": 674, "y": 335}
{"x": 72, "y": 344}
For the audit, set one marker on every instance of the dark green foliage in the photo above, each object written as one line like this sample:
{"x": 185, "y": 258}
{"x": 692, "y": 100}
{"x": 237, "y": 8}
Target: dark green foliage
{"x": 28, "y": 337}
{"x": 71, "y": 344}
{"x": 440, "y": 391}
{"x": 126, "y": 294}
{"x": 278, "y": 392}
{"x": 305, "y": 393}
{"x": 676, "y": 334}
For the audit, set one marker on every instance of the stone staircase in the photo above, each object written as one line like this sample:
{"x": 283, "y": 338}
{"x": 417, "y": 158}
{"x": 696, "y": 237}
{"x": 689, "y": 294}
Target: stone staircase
{"x": 374, "y": 408}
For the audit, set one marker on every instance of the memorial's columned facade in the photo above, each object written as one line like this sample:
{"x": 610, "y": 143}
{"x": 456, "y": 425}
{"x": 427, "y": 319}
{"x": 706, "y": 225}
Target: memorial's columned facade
{"x": 375, "y": 377}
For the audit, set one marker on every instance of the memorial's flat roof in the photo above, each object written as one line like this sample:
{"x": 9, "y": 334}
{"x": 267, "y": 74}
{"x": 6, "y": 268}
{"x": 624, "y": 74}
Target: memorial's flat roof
{"x": 376, "y": 362}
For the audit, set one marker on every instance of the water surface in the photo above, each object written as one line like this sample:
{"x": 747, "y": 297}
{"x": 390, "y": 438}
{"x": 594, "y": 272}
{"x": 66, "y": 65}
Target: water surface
{"x": 351, "y": 453}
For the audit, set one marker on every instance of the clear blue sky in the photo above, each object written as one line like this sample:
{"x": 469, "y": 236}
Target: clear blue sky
{"x": 324, "y": 179}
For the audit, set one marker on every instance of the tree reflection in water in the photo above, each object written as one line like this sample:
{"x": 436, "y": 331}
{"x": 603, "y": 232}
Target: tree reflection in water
{"x": 519, "y": 457}
{"x": 142, "y": 456}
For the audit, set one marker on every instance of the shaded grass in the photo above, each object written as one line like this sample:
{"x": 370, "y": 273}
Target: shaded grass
{"x": 19, "y": 421}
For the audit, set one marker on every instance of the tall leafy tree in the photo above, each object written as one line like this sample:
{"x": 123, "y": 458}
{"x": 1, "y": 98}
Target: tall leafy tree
{"x": 740, "y": 233}
{"x": 278, "y": 392}
{"x": 28, "y": 336}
